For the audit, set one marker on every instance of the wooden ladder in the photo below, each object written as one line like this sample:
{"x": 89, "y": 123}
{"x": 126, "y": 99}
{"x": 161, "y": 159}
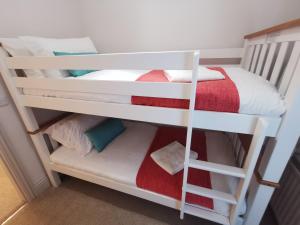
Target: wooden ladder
{"x": 245, "y": 173}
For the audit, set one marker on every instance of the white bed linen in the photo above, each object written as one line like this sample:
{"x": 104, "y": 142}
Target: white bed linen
{"x": 122, "y": 159}
{"x": 257, "y": 97}
{"x": 106, "y": 75}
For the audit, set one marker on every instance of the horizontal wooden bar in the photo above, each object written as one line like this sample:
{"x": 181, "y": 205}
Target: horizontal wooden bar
{"x": 150, "y": 89}
{"x": 218, "y": 168}
{"x": 280, "y": 27}
{"x": 181, "y": 60}
{"x": 115, "y": 185}
{"x": 209, "y": 215}
{"x": 210, "y": 193}
{"x": 265, "y": 182}
{"x": 230, "y": 122}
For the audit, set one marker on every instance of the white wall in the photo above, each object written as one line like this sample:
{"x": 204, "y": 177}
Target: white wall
{"x": 267, "y": 13}
{"x": 142, "y": 25}
{"x": 51, "y": 18}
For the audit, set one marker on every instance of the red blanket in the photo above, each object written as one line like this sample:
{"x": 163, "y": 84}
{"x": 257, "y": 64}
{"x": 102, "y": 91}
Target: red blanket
{"x": 152, "y": 177}
{"x": 216, "y": 95}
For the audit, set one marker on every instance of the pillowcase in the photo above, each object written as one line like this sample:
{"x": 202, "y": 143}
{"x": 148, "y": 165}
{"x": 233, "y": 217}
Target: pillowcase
{"x": 105, "y": 132}
{"x": 39, "y": 46}
{"x": 76, "y": 73}
{"x": 186, "y": 75}
{"x": 171, "y": 157}
{"x": 16, "y": 47}
{"x": 70, "y": 132}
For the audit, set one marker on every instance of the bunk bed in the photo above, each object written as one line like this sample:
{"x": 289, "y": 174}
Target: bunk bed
{"x": 271, "y": 57}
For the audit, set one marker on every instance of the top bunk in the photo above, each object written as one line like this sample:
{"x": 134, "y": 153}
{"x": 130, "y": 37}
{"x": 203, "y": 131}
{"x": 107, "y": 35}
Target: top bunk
{"x": 126, "y": 86}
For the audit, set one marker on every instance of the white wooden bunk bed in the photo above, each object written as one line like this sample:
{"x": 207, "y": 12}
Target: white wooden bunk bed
{"x": 273, "y": 57}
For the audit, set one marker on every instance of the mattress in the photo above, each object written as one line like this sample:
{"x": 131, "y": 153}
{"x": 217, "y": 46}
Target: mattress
{"x": 121, "y": 160}
{"x": 257, "y": 97}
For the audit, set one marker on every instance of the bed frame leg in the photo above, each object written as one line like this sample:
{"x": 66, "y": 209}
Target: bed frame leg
{"x": 29, "y": 120}
{"x": 43, "y": 151}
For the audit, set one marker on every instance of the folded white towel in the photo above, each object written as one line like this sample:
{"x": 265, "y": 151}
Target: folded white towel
{"x": 171, "y": 157}
{"x": 186, "y": 75}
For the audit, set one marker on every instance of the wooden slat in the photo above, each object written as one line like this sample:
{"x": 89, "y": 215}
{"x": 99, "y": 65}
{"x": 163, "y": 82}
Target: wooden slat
{"x": 141, "y": 60}
{"x": 269, "y": 60}
{"x": 289, "y": 71}
{"x": 280, "y": 27}
{"x": 249, "y": 56}
{"x": 217, "y": 168}
{"x": 261, "y": 59}
{"x": 77, "y": 172}
{"x": 230, "y": 122}
{"x": 279, "y": 62}
{"x": 151, "y": 89}
{"x": 206, "y": 192}
{"x": 255, "y": 58}
{"x": 205, "y": 214}
{"x": 136, "y": 61}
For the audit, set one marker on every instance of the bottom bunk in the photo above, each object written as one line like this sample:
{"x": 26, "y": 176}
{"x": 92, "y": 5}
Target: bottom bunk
{"x": 118, "y": 166}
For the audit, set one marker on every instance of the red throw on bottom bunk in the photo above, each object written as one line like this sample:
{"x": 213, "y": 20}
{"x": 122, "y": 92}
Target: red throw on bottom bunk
{"x": 152, "y": 177}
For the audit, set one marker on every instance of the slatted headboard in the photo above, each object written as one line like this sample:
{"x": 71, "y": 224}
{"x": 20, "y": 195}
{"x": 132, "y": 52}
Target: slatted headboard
{"x": 273, "y": 53}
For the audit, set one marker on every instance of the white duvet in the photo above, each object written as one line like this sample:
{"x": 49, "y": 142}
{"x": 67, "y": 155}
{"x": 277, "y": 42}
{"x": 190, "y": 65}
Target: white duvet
{"x": 257, "y": 96}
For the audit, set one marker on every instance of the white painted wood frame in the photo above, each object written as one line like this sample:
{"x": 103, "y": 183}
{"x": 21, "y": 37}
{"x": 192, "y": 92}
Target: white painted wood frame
{"x": 28, "y": 118}
{"x": 256, "y": 57}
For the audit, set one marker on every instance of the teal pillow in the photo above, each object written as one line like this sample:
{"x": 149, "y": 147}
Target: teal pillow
{"x": 104, "y": 133}
{"x": 76, "y": 73}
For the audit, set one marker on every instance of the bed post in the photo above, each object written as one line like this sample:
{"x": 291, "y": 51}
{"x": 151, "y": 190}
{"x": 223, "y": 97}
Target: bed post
{"x": 278, "y": 153}
{"x": 29, "y": 120}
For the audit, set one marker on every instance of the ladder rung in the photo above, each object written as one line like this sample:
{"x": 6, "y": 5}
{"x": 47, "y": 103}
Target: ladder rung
{"x": 217, "y": 168}
{"x": 211, "y": 193}
{"x": 205, "y": 214}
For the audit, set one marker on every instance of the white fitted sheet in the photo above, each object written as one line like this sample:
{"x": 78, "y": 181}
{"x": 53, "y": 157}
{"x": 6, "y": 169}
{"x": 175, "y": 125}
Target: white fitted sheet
{"x": 122, "y": 159}
{"x": 257, "y": 97}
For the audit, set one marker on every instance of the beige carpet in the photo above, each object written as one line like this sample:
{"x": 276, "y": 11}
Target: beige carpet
{"x": 10, "y": 199}
{"x": 77, "y": 202}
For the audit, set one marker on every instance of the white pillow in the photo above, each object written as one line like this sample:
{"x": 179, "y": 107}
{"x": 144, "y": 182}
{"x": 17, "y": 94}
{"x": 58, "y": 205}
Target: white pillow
{"x": 257, "y": 96}
{"x": 39, "y": 46}
{"x": 171, "y": 157}
{"x": 16, "y": 47}
{"x": 186, "y": 75}
{"x": 70, "y": 132}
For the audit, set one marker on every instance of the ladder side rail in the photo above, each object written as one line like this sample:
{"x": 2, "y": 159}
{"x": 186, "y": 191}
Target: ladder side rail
{"x": 189, "y": 129}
